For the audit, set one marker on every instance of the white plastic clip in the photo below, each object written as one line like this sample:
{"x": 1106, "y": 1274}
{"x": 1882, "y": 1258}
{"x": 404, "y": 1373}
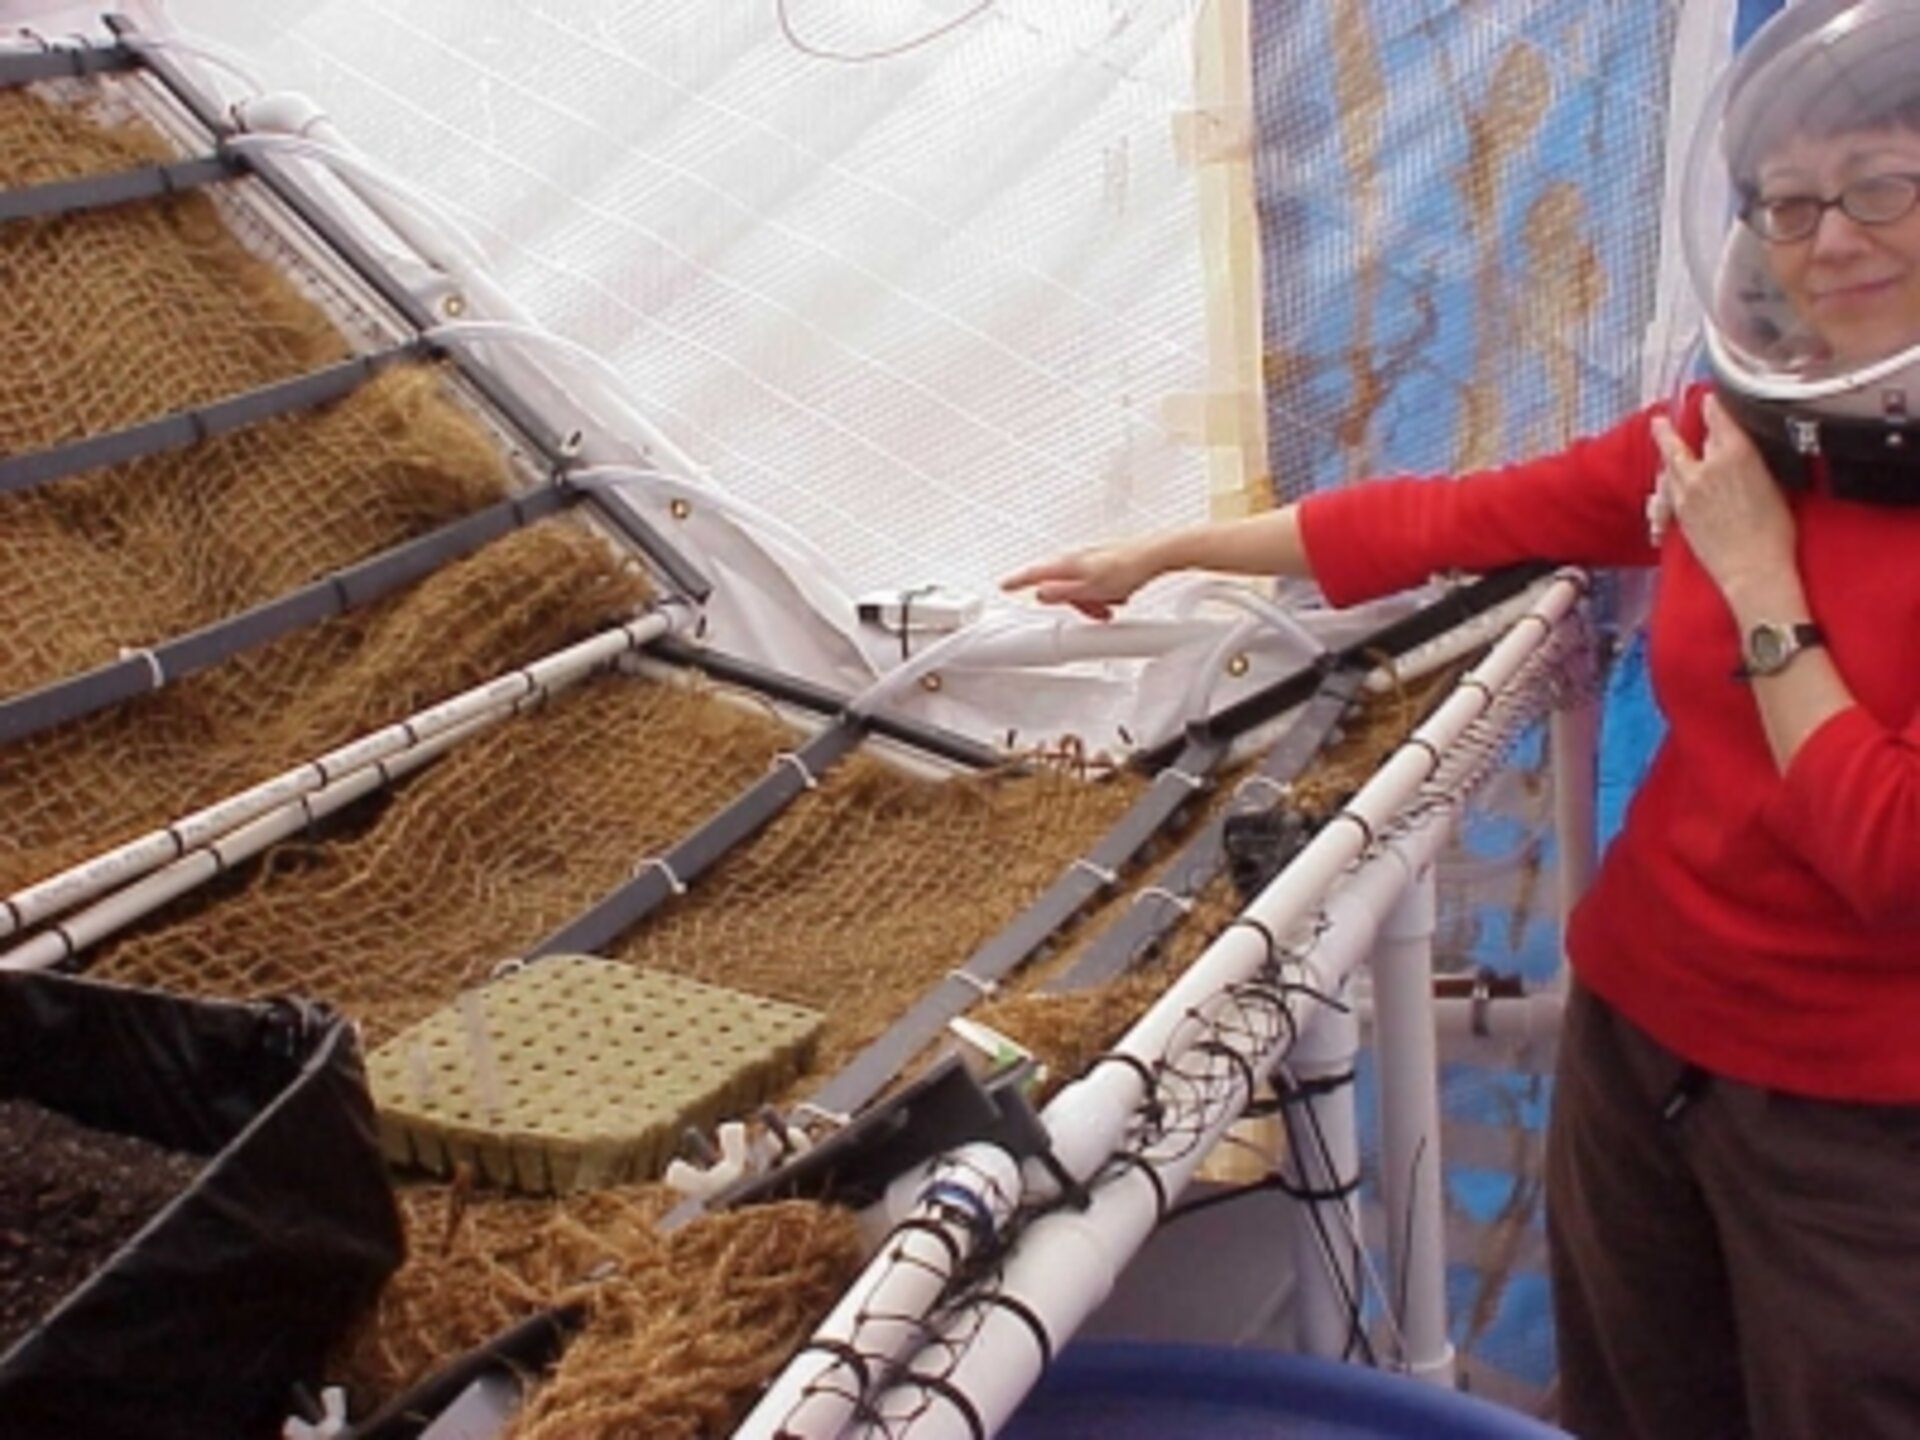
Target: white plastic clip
{"x": 703, "y": 1182}
{"x": 155, "y": 671}
{"x": 787, "y": 757}
{"x": 674, "y": 882}
{"x": 1182, "y": 903}
{"x": 332, "y": 1421}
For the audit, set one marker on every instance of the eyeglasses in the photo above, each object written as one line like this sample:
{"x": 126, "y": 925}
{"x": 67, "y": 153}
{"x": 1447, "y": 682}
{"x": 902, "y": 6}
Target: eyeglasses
{"x": 1870, "y": 200}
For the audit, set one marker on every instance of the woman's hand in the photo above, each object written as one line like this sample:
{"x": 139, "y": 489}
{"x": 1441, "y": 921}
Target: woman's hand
{"x": 1093, "y": 581}
{"x": 1729, "y": 507}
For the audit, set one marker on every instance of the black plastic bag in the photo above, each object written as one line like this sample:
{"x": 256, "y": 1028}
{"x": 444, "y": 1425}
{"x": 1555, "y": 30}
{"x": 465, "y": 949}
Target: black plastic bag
{"x": 200, "y": 1325}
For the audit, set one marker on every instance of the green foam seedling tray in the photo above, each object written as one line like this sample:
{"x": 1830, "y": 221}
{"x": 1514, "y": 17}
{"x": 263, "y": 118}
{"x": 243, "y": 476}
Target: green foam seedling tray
{"x": 575, "y": 1072}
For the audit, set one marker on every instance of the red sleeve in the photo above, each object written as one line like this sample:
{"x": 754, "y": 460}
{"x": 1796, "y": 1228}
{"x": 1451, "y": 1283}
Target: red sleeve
{"x": 1850, "y": 807}
{"x": 1585, "y": 505}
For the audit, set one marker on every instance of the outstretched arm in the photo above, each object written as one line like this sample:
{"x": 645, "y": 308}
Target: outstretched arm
{"x": 1095, "y": 580}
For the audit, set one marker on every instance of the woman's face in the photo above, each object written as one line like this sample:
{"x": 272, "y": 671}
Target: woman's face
{"x": 1857, "y": 286}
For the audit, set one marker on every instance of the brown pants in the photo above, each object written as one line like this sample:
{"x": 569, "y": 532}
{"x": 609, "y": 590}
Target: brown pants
{"x": 1727, "y": 1261}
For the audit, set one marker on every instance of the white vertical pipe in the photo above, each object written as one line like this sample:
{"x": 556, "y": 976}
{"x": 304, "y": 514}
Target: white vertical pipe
{"x": 1327, "y": 1283}
{"x": 1407, "y": 1062}
{"x": 1574, "y": 746}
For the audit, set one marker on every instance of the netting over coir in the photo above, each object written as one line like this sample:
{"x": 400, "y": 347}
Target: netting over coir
{"x": 862, "y": 895}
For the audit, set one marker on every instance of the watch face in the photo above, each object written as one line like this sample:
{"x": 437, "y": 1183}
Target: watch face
{"x": 1767, "y": 648}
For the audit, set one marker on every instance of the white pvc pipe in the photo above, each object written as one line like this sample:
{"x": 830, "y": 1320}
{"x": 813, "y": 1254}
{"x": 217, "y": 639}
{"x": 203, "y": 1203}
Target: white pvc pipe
{"x": 128, "y": 862}
{"x": 1323, "y": 1125}
{"x": 991, "y": 1356}
{"x": 1504, "y": 1020}
{"x": 1065, "y": 1263}
{"x": 1407, "y": 1063}
{"x": 1445, "y": 648}
{"x": 987, "y": 1352}
{"x": 1089, "y": 1117}
{"x": 68, "y": 937}
{"x": 964, "y": 1198}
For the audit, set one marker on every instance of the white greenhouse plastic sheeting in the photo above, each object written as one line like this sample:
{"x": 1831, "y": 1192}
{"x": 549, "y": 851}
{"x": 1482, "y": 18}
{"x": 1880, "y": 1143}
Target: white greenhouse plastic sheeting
{"x": 898, "y": 321}
{"x": 924, "y": 307}
{"x": 927, "y": 308}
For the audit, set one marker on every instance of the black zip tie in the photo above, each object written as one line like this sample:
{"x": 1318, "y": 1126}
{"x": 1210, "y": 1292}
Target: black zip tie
{"x": 1215, "y": 1046}
{"x": 1292, "y": 1088}
{"x": 185, "y": 428}
{"x": 1127, "y": 1160}
{"x": 1259, "y": 994}
{"x": 1474, "y": 682}
{"x": 843, "y": 1352}
{"x": 1072, "y": 1191}
{"x": 1309, "y": 1194}
{"x": 1332, "y": 1002}
{"x": 1148, "y": 1078}
{"x": 954, "y": 1396}
{"x": 1420, "y": 742}
{"x": 1260, "y": 927}
{"x": 1024, "y": 1313}
{"x": 1367, "y": 838}
{"x": 927, "y": 1225}
{"x": 118, "y": 187}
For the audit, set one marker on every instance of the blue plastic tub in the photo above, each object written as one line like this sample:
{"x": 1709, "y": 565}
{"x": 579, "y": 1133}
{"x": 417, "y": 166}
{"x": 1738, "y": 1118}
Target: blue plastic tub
{"x": 1121, "y": 1390}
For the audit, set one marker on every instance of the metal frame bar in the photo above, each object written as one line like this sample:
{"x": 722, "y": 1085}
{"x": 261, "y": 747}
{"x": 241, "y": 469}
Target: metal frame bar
{"x": 150, "y": 668}
{"x": 188, "y": 427}
{"x": 511, "y": 408}
{"x": 118, "y": 187}
{"x": 659, "y": 879}
{"x": 64, "y": 62}
{"x": 805, "y": 695}
{"x": 1449, "y": 610}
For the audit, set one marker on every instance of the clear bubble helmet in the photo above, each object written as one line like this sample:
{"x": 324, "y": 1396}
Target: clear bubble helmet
{"x": 1801, "y": 230}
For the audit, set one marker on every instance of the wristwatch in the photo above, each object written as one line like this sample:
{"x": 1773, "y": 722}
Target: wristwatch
{"x": 1770, "y": 645}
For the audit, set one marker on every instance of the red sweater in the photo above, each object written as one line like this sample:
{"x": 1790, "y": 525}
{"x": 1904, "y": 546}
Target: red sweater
{"x": 1765, "y": 926}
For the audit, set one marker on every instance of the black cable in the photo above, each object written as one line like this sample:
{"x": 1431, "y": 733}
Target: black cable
{"x": 1350, "y": 1296}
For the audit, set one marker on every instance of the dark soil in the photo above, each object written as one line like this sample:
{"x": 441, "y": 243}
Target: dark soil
{"x": 70, "y": 1197}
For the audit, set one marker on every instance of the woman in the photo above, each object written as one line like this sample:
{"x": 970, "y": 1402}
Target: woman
{"x": 1734, "y": 1156}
